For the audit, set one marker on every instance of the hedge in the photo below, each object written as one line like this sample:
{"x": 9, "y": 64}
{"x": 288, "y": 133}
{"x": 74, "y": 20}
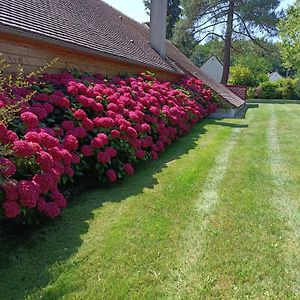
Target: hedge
{"x": 74, "y": 125}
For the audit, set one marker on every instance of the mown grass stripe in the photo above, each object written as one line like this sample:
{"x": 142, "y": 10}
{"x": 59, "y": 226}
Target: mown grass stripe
{"x": 193, "y": 239}
{"x": 283, "y": 202}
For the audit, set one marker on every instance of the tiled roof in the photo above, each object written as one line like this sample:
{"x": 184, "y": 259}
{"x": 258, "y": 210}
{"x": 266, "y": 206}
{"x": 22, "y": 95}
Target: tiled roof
{"x": 91, "y": 24}
{"x": 96, "y": 26}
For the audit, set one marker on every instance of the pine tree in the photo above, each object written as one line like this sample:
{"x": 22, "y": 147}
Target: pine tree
{"x": 229, "y": 20}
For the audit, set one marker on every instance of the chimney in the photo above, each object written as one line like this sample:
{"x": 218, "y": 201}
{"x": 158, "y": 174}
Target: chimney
{"x": 158, "y": 24}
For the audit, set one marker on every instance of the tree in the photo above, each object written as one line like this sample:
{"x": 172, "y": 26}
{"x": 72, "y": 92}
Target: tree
{"x": 174, "y": 13}
{"x": 230, "y": 20}
{"x": 289, "y": 32}
{"x": 202, "y": 52}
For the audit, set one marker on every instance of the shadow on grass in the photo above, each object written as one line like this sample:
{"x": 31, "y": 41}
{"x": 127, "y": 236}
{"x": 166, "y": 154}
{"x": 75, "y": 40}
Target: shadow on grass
{"x": 27, "y": 254}
{"x": 232, "y": 125}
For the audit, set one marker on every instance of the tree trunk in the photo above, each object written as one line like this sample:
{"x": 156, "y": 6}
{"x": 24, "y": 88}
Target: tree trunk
{"x": 227, "y": 43}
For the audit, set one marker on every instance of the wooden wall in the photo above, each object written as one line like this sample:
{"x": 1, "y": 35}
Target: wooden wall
{"x": 34, "y": 54}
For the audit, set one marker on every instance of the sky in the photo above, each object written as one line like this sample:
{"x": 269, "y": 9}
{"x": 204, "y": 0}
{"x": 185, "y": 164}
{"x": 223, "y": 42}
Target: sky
{"x": 136, "y": 9}
{"x": 132, "y": 8}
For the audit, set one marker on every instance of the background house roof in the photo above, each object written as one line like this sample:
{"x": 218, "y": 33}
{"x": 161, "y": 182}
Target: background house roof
{"x": 93, "y": 25}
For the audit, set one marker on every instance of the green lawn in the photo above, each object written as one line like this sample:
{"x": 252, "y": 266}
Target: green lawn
{"x": 216, "y": 217}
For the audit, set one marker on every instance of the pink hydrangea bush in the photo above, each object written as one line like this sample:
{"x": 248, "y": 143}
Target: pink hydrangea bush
{"x": 90, "y": 124}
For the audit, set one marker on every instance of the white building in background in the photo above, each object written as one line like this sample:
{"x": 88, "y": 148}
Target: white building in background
{"x": 274, "y": 76}
{"x": 213, "y": 68}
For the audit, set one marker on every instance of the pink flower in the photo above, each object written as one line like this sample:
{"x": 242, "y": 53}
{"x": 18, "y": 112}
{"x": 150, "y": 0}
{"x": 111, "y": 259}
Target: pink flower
{"x": 70, "y": 143}
{"x": 146, "y": 127}
{"x": 59, "y": 199}
{"x": 104, "y": 122}
{"x": 72, "y": 89}
{"x": 11, "y": 209}
{"x": 67, "y": 157}
{"x": 128, "y": 168}
{"x": 23, "y": 149}
{"x": 41, "y": 97}
{"x": 112, "y": 106}
{"x": 111, "y": 175}
{"x": 41, "y": 205}
{"x": 154, "y": 155}
{"x": 7, "y": 167}
{"x": 32, "y": 137}
{"x": 9, "y": 137}
{"x": 56, "y": 153}
{"x": 132, "y": 132}
{"x": 103, "y": 157}
{"x": 99, "y": 141}
{"x": 39, "y": 111}
{"x": 75, "y": 158}
{"x": 45, "y": 181}
{"x": 140, "y": 153}
{"x": 10, "y": 189}
{"x": 51, "y": 210}
{"x": 154, "y": 110}
{"x": 62, "y": 102}
{"x": 115, "y": 134}
{"x": 69, "y": 171}
{"x": 88, "y": 124}
{"x": 28, "y": 193}
{"x": 30, "y": 119}
{"x": 86, "y": 150}
{"x": 68, "y": 125}
{"x": 47, "y": 140}
{"x": 45, "y": 161}
{"x": 48, "y": 107}
{"x": 112, "y": 152}
{"x": 80, "y": 114}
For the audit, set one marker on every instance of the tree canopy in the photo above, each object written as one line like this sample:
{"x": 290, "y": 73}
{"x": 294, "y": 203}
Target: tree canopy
{"x": 290, "y": 35}
{"x": 228, "y": 20}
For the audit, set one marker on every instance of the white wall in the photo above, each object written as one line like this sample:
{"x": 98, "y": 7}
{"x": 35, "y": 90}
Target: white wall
{"x": 213, "y": 68}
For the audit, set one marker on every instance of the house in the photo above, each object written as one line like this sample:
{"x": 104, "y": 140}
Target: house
{"x": 274, "y": 76}
{"x": 94, "y": 37}
{"x": 213, "y": 68}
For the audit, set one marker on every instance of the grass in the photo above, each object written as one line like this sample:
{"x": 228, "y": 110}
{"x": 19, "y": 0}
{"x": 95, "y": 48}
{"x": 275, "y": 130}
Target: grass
{"x": 216, "y": 217}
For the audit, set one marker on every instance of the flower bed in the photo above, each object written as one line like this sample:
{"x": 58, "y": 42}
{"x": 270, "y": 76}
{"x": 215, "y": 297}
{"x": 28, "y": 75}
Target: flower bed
{"x": 74, "y": 125}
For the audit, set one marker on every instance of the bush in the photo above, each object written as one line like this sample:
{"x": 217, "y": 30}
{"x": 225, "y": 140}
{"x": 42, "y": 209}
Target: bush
{"x": 88, "y": 124}
{"x": 268, "y": 90}
{"x": 251, "y": 93}
{"x": 297, "y": 86}
{"x": 241, "y": 75}
{"x": 287, "y": 88}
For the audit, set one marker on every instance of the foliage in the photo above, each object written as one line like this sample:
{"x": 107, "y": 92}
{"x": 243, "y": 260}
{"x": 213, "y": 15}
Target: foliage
{"x": 257, "y": 64}
{"x": 250, "y": 71}
{"x": 268, "y": 90}
{"x": 183, "y": 39}
{"x": 77, "y": 124}
{"x": 202, "y": 52}
{"x": 173, "y": 15}
{"x": 251, "y": 93}
{"x": 289, "y": 33}
{"x": 241, "y": 75}
{"x": 286, "y": 88}
{"x": 228, "y": 20}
